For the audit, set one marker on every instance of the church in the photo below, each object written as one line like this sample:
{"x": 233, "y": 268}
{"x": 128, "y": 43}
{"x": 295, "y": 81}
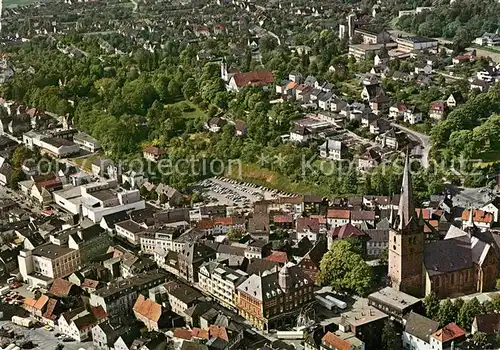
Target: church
{"x": 464, "y": 262}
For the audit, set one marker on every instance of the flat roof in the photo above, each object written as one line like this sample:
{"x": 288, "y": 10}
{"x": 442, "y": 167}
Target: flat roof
{"x": 104, "y": 195}
{"x": 394, "y": 298}
{"x": 416, "y": 39}
{"x": 69, "y": 192}
{"x": 51, "y": 251}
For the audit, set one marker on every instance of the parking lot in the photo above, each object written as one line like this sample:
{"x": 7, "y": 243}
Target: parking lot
{"x": 42, "y": 338}
{"x": 237, "y": 193}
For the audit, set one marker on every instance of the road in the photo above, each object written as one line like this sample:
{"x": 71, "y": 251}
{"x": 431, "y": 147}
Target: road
{"x": 424, "y": 140}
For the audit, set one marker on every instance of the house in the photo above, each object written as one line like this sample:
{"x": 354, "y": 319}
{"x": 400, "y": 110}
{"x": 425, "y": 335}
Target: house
{"x": 465, "y": 57}
{"x": 296, "y": 77}
{"x": 240, "y": 80}
{"x": 169, "y": 194}
{"x": 417, "y": 332}
{"x": 401, "y": 76}
{"x": 412, "y": 115}
{"x": 381, "y": 59}
{"x": 369, "y": 37}
{"x": 105, "y": 334}
{"x": 6, "y": 172}
{"x": 258, "y": 296}
{"x": 447, "y": 337}
{"x": 486, "y": 323}
{"x": 437, "y": 110}
{"x": 241, "y": 127}
{"x": 397, "y": 110}
{"x": 488, "y": 39}
{"x": 307, "y": 227}
{"x": 310, "y": 80}
{"x": 345, "y": 231}
{"x": 454, "y": 99}
{"x": 63, "y": 288}
{"x": 369, "y": 160}
{"x": 150, "y": 313}
{"x": 480, "y": 219}
{"x": 338, "y": 217}
{"x": 370, "y": 92}
{"x": 181, "y": 297}
{"x": 480, "y": 85}
{"x": 416, "y": 43}
{"x": 153, "y": 153}
{"x": 191, "y": 258}
{"x": 489, "y": 74}
{"x": 324, "y": 100}
{"x": 333, "y": 150}
{"x": 300, "y": 134}
{"x": 423, "y": 68}
{"x": 388, "y": 139}
{"x": 379, "y": 126}
{"x": 215, "y": 124}
{"x": 363, "y": 322}
{"x": 332, "y": 341}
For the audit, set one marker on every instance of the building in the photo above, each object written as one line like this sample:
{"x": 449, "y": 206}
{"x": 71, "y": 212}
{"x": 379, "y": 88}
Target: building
{"x": 333, "y": 150}
{"x": 104, "y": 335}
{"x": 240, "y": 80}
{"x": 181, "y": 297}
{"x": 221, "y": 282}
{"x": 119, "y": 296}
{"x": 418, "y": 43}
{"x": 332, "y": 341}
{"x": 338, "y": 217}
{"x": 394, "y": 303}
{"x": 418, "y": 331}
{"x": 486, "y": 323}
{"x": 412, "y": 115}
{"x": 191, "y": 258}
{"x": 437, "y": 110}
{"x": 150, "y": 313}
{"x": 417, "y": 268}
{"x": 370, "y": 38}
{"x": 488, "y": 39}
{"x": 56, "y": 147}
{"x": 86, "y": 142}
{"x": 153, "y": 153}
{"x": 91, "y": 242}
{"x": 47, "y": 262}
{"x": 267, "y": 300}
{"x": 447, "y": 337}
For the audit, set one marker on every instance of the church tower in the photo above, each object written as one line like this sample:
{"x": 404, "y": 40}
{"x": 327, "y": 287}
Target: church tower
{"x": 406, "y": 243}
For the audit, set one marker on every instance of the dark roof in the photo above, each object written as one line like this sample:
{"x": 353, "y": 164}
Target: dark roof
{"x": 51, "y": 251}
{"x": 184, "y": 293}
{"x": 196, "y": 252}
{"x": 258, "y": 266}
{"x": 112, "y": 219}
{"x": 488, "y": 323}
{"x": 420, "y": 326}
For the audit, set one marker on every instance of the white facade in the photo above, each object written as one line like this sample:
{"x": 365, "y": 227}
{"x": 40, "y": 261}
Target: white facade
{"x": 413, "y": 343}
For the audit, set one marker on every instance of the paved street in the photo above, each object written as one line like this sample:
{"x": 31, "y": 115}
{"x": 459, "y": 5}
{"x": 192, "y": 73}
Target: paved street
{"x": 424, "y": 140}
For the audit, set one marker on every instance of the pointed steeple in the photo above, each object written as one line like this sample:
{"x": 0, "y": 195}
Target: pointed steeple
{"x": 406, "y": 210}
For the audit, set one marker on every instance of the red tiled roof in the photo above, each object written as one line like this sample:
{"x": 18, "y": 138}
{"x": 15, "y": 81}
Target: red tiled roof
{"x": 60, "y": 287}
{"x": 277, "y": 256}
{"x": 321, "y": 219}
{"x": 283, "y": 218}
{"x": 199, "y": 333}
{"x": 153, "y": 150}
{"x": 147, "y": 308}
{"x": 346, "y": 231}
{"x": 426, "y": 213}
{"x": 479, "y": 216}
{"x": 448, "y": 333}
{"x": 205, "y": 224}
{"x": 335, "y": 342}
{"x": 253, "y": 78}
{"x": 218, "y": 332}
{"x": 49, "y": 312}
{"x": 183, "y": 333}
{"x": 88, "y": 283}
{"x": 228, "y": 221}
{"x": 437, "y": 106}
{"x": 99, "y": 312}
{"x": 338, "y": 214}
{"x": 41, "y": 302}
{"x": 307, "y": 224}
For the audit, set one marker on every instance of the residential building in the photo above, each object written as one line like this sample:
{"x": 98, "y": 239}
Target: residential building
{"x": 477, "y": 218}
{"x": 417, "y": 332}
{"x": 369, "y": 160}
{"x": 338, "y": 217}
{"x": 488, "y": 39}
{"x": 300, "y": 134}
{"x": 181, "y": 297}
{"x": 437, "y": 110}
{"x": 91, "y": 242}
{"x": 486, "y": 323}
{"x": 105, "y": 334}
{"x": 153, "y": 153}
{"x": 454, "y": 99}
{"x": 240, "y": 80}
{"x": 418, "y": 43}
{"x": 332, "y": 341}
{"x": 388, "y": 139}
{"x": 363, "y": 322}
{"x": 412, "y": 115}
{"x": 333, "y": 150}
{"x": 119, "y": 296}
{"x": 447, "y": 337}
{"x": 150, "y": 313}
{"x": 191, "y": 258}
{"x": 267, "y": 299}
{"x": 47, "y": 262}
{"x": 221, "y": 282}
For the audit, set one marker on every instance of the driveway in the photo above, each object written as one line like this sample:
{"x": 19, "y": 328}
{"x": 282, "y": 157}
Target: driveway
{"x": 424, "y": 140}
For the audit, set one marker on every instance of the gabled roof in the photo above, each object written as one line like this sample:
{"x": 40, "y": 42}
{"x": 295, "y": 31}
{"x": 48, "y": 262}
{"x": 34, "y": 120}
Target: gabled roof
{"x": 147, "y": 308}
{"x": 488, "y": 323}
{"x": 346, "y": 231}
{"x": 335, "y": 342}
{"x": 420, "y": 326}
{"x": 448, "y": 333}
{"x": 60, "y": 287}
{"x": 253, "y": 78}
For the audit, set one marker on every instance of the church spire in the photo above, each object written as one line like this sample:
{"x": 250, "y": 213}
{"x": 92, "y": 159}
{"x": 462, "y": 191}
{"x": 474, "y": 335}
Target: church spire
{"x": 406, "y": 210}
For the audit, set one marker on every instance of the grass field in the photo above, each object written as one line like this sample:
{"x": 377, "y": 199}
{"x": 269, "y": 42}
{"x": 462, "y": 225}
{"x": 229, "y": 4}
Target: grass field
{"x": 264, "y": 177}
{"x": 86, "y": 162}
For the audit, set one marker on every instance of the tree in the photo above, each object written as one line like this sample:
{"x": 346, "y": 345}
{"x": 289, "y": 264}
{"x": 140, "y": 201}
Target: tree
{"x": 431, "y": 303}
{"x": 447, "y": 312}
{"x": 174, "y": 88}
{"x": 390, "y": 340}
{"x": 234, "y": 234}
{"x": 16, "y": 176}
{"x": 189, "y": 89}
{"x": 20, "y": 155}
{"x": 480, "y": 339}
{"x": 467, "y": 313}
{"x": 345, "y": 270}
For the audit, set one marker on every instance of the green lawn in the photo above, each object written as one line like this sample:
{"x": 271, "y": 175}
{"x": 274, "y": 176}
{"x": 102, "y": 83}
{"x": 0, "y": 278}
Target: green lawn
{"x": 86, "y": 162}
{"x": 193, "y": 112}
{"x": 254, "y": 174}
